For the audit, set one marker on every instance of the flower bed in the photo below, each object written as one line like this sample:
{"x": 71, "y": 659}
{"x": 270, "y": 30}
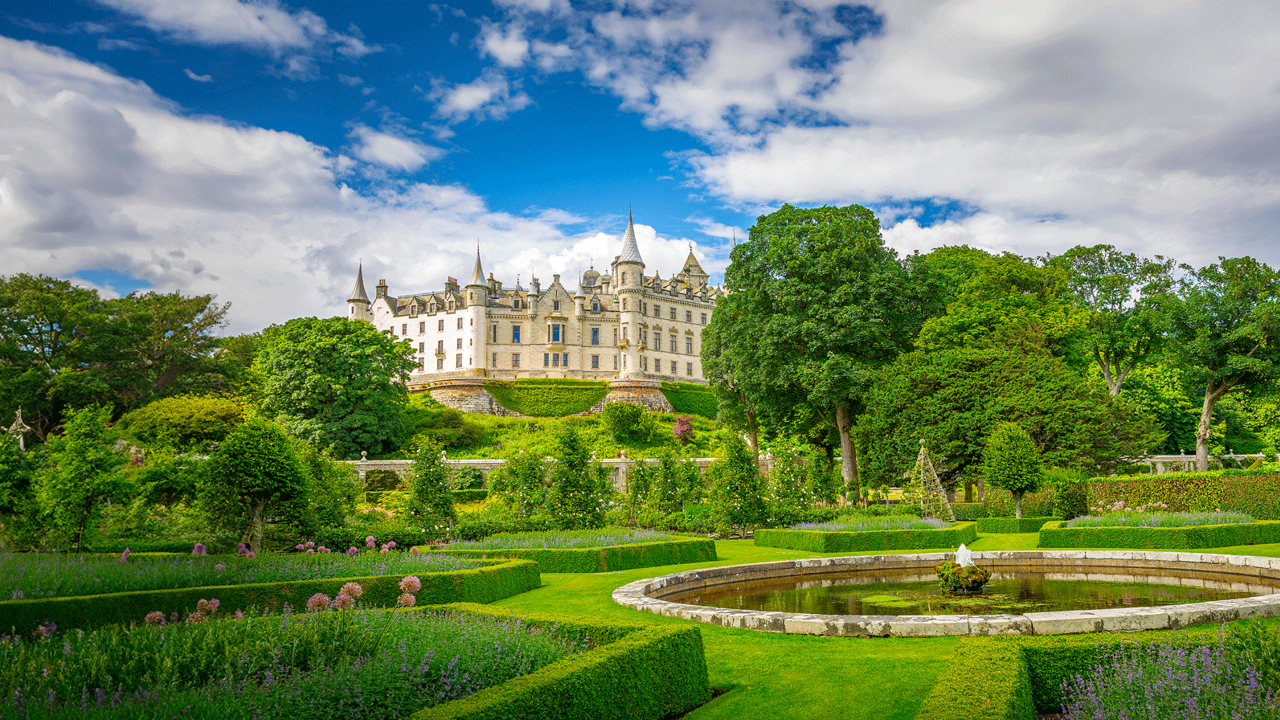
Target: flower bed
{"x": 997, "y": 525}
{"x": 590, "y": 551}
{"x": 1254, "y": 492}
{"x": 830, "y": 542}
{"x": 493, "y": 580}
{"x": 1058, "y": 535}
{"x": 1121, "y": 517}
{"x": 356, "y": 663}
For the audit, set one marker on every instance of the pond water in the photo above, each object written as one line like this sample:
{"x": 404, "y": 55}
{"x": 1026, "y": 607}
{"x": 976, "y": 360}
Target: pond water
{"x": 912, "y": 592}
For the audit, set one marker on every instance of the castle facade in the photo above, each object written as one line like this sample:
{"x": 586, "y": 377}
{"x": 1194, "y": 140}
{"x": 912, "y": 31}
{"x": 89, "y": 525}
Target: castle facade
{"x": 624, "y": 325}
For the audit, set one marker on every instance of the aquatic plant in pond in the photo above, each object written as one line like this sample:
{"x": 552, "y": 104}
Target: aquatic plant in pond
{"x": 48, "y": 575}
{"x": 1158, "y": 519}
{"x": 860, "y": 524}
{"x": 605, "y": 537}
{"x": 1176, "y": 680}
{"x": 361, "y": 664}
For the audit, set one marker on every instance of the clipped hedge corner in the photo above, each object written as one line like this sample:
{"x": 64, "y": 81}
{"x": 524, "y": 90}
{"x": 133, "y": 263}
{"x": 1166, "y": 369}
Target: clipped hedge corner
{"x": 830, "y": 542}
{"x": 691, "y": 399}
{"x": 998, "y": 525}
{"x": 604, "y": 559}
{"x": 547, "y": 397}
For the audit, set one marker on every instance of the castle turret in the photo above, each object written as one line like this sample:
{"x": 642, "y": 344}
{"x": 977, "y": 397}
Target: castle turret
{"x": 628, "y": 274}
{"x": 358, "y": 304}
{"x": 477, "y": 316}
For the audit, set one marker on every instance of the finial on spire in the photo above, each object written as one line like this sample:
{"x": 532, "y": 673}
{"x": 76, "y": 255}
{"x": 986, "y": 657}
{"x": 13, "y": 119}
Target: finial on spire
{"x": 477, "y": 273}
{"x": 630, "y": 251}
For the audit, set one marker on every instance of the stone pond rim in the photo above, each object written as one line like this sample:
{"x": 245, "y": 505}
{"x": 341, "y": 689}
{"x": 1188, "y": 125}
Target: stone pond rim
{"x": 646, "y": 595}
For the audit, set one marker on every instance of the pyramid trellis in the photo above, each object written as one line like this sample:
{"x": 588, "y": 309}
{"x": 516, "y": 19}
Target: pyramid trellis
{"x": 933, "y": 499}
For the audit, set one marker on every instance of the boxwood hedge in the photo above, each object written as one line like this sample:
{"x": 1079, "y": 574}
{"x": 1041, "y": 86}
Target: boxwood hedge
{"x": 829, "y": 542}
{"x": 691, "y": 399}
{"x": 1056, "y": 535}
{"x": 497, "y": 580}
{"x": 469, "y": 496}
{"x": 1247, "y": 491}
{"x": 649, "y": 671}
{"x": 604, "y": 559}
{"x": 1012, "y": 525}
{"x": 547, "y": 397}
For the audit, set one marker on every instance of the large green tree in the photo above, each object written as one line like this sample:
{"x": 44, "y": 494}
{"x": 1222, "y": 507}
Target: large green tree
{"x": 335, "y": 382}
{"x": 579, "y": 484}
{"x": 169, "y": 344}
{"x": 816, "y": 303}
{"x": 79, "y": 473}
{"x": 1127, "y": 298}
{"x": 255, "y": 471}
{"x": 1226, "y": 324}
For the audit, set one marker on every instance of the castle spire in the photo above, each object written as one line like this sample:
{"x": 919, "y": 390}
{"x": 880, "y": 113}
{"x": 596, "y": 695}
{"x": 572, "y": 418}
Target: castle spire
{"x": 630, "y": 251}
{"x": 358, "y": 294}
{"x": 477, "y": 274}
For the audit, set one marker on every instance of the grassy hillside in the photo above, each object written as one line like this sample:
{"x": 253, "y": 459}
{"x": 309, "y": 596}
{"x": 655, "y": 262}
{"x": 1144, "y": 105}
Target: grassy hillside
{"x": 691, "y": 399}
{"x": 547, "y": 397}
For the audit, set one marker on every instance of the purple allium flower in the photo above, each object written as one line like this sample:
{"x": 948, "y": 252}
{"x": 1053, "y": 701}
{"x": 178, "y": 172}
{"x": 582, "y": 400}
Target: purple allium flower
{"x": 203, "y": 606}
{"x": 344, "y": 602}
{"x": 351, "y": 589}
{"x": 239, "y": 615}
{"x": 410, "y": 584}
{"x": 240, "y": 546}
{"x": 213, "y": 604}
{"x": 310, "y": 544}
{"x": 406, "y": 600}
{"x": 384, "y": 551}
{"x": 391, "y": 544}
{"x": 370, "y": 542}
{"x": 124, "y": 556}
{"x": 299, "y": 547}
{"x": 196, "y": 617}
{"x": 199, "y": 549}
{"x": 324, "y": 549}
{"x": 310, "y": 551}
{"x": 352, "y": 551}
{"x": 317, "y": 602}
{"x": 252, "y": 555}
{"x": 48, "y": 630}
{"x": 414, "y": 550}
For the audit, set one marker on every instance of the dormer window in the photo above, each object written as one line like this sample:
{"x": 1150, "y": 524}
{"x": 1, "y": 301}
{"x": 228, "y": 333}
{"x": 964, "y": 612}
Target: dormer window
{"x": 515, "y": 304}
{"x": 555, "y": 305}
{"x": 595, "y": 306}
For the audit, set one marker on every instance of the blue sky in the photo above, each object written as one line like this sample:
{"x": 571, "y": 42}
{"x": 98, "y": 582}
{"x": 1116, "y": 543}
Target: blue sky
{"x": 259, "y": 150}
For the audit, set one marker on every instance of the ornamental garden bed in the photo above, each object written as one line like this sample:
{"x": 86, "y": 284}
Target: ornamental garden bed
{"x": 443, "y": 580}
{"x": 590, "y": 551}
{"x": 857, "y": 534}
{"x": 455, "y": 661}
{"x": 1158, "y": 531}
{"x": 1000, "y": 525}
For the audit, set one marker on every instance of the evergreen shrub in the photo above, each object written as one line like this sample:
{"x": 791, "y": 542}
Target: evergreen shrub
{"x": 1056, "y": 535}
{"x": 547, "y": 397}
{"x": 828, "y": 542}
{"x": 1252, "y": 492}
{"x": 184, "y": 421}
{"x": 999, "y": 503}
{"x": 999, "y": 525}
{"x": 605, "y": 559}
{"x": 691, "y": 398}
{"x": 972, "y": 511}
{"x": 470, "y": 496}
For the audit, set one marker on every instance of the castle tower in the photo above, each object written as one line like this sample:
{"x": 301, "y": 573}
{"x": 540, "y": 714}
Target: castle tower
{"x": 358, "y": 303}
{"x": 628, "y": 273}
{"x": 477, "y": 317}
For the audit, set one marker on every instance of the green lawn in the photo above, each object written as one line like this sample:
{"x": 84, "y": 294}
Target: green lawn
{"x": 769, "y": 675}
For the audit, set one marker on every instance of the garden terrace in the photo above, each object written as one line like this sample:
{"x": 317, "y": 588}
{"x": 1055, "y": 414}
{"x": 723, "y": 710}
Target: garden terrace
{"x": 1059, "y": 535}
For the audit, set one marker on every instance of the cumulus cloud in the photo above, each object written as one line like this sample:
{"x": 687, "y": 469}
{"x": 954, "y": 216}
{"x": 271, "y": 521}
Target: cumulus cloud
{"x": 508, "y": 46}
{"x": 391, "y": 151}
{"x": 490, "y": 96}
{"x": 198, "y": 78}
{"x": 102, "y": 173}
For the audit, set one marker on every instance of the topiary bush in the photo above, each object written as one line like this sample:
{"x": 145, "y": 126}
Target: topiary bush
{"x": 1011, "y": 461}
{"x": 185, "y": 421}
{"x": 547, "y": 397}
{"x": 691, "y": 398}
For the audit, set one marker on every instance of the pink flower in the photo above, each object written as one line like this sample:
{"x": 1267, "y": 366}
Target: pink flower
{"x": 239, "y": 615}
{"x": 155, "y": 617}
{"x": 324, "y": 549}
{"x": 220, "y": 567}
{"x": 317, "y": 602}
{"x": 299, "y": 547}
{"x": 196, "y": 617}
{"x": 414, "y": 550}
{"x": 199, "y": 549}
{"x": 410, "y": 584}
{"x": 344, "y": 602}
{"x": 352, "y": 551}
{"x": 310, "y": 544}
{"x": 370, "y": 542}
{"x": 351, "y": 589}
{"x": 204, "y": 606}
{"x": 310, "y": 551}
{"x": 406, "y": 600}
{"x": 391, "y": 544}
{"x": 48, "y": 630}
{"x": 252, "y": 555}
{"x": 385, "y": 551}
{"x": 124, "y": 556}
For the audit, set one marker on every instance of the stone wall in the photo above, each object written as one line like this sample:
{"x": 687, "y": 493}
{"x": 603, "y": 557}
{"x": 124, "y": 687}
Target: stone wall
{"x": 645, "y": 392}
{"x": 468, "y": 395}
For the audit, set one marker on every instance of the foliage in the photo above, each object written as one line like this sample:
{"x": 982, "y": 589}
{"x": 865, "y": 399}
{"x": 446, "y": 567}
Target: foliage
{"x": 429, "y": 487}
{"x": 255, "y": 471}
{"x": 1011, "y": 461}
{"x": 428, "y": 421}
{"x": 829, "y": 542}
{"x": 78, "y": 474}
{"x": 691, "y": 398}
{"x": 857, "y": 523}
{"x": 1000, "y": 503}
{"x": 329, "y": 488}
{"x": 579, "y": 485}
{"x": 953, "y": 577}
{"x": 683, "y": 429}
{"x": 737, "y": 491}
{"x": 522, "y": 483}
{"x": 466, "y": 478}
{"x": 999, "y": 525}
{"x": 673, "y": 485}
{"x": 505, "y": 436}
{"x": 609, "y": 558}
{"x": 560, "y": 539}
{"x": 1254, "y": 492}
{"x": 789, "y": 495}
{"x": 1055, "y": 535}
{"x": 547, "y": 397}
{"x": 183, "y": 422}
{"x": 1252, "y": 644}
{"x": 1138, "y": 518}
{"x": 984, "y": 681}
{"x": 1071, "y": 491}
{"x": 16, "y": 475}
{"x": 629, "y": 421}
{"x": 335, "y": 383}
{"x": 953, "y": 399}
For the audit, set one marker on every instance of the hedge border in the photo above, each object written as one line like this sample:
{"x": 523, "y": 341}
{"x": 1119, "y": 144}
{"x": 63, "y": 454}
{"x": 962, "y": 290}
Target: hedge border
{"x": 559, "y": 396}
{"x": 468, "y": 496}
{"x": 1254, "y": 492}
{"x": 604, "y": 559}
{"x": 829, "y": 542}
{"x": 1057, "y": 535}
{"x": 1007, "y": 525}
{"x": 496, "y": 580}
{"x": 639, "y": 671}
{"x": 1005, "y": 678}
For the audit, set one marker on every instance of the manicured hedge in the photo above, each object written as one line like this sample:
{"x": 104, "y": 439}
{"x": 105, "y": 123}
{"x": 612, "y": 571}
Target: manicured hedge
{"x": 999, "y": 503}
{"x": 828, "y": 542}
{"x": 1013, "y": 678}
{"x": 495, "y": 581}
{"x": 1012, "y": 525}
{"x": 547, "y": 397}
{"x": 605, "y": 559}
{"x": 469, "y": 496}
{"x": 691, "y": 399}
{"x": 649, "y": 671}
{"x": 1056, "y": 535}
{"x": 1247, "y": 491}
{"x": 969, "y": 511}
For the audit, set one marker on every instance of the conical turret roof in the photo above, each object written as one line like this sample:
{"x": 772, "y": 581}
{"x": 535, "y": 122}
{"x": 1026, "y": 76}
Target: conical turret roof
{"x": 630, "y": 251}
{"x": 358, "y": 294}
{"x": 477, "y": 274}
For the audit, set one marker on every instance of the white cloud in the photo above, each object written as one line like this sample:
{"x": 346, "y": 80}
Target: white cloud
{"x": 352, "y": 80}
{"x": 509, "y": 47}
{"x": 391, "y": 151}
{"x": 489, "y": 96}
{"x": 198, "y": 78}
{"x": 101, "y": 173}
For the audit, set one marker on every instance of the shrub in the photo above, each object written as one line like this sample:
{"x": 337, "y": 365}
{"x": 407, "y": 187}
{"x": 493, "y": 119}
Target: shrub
{"x": 628, "y": 421}
{"x": 466, "y": 478}
{"x": 185, "y": 421}
{"x": 737, "y": 491}
{"x": 683, "y": 429}
{"x": 670, "y": 551}
{"x": 1011, "y": 462}
{"x": 435, "y": 423}
{"x": 547, "y": 397}
{"x": 1054, "y": 535}
{"x": 521, "y": 483}
{"x": 579, "y": 485}
{"x": 828, "y": 542}
{"x": 429, "y": 487}
{"x": 1013, "y": 525}
{"x": 79, "y": 474}
{"x": 999, "y": 503}
{"x": 1072, "y": 491}
{"x": 1252, "y": 492}
{"x": 691, "y": 398}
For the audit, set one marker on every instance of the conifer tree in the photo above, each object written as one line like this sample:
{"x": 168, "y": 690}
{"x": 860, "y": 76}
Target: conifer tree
{"x": 736, "y": 494}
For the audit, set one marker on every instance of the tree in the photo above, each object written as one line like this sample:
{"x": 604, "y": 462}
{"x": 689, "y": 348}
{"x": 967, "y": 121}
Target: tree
{"x": 579, "y": 484}
{"x": 184, "y": 421}
{"x": 1011, "y": 461}
{"x": 789, "y": 487}
{"x": 816, "y": 303}
{"x": 1227, "y": 326}
{"x": 628, "y": 421}
{"x": 255, "y": 471}
{"x": 737, "y": 493}
{"x": 522, "y": 483}
{"x": 335, "y": 382}
{"x": 169, "y": 344}
{"x": 429, "y": 486}
{"x": 79, "y": 473}
{"x": 1127, "y": 299}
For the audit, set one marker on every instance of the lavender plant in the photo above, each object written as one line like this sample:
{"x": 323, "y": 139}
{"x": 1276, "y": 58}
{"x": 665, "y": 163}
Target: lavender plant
{"x": 1159, "y": 519}
{"x": 604, "y": 537}
{"x": 859, "y": 524}
{"x": 48, "y": 575}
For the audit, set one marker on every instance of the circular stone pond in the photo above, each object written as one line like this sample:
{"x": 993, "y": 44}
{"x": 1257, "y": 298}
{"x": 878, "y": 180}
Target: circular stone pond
{"x": 1046, "y": 592}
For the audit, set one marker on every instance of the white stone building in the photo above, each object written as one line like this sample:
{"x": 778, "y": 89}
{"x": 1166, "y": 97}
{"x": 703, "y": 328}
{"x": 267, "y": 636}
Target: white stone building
{"x": 621, "y": 326}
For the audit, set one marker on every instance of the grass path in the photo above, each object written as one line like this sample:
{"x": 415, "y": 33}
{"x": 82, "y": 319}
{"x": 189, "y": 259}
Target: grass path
{"x": 773, "y": 676}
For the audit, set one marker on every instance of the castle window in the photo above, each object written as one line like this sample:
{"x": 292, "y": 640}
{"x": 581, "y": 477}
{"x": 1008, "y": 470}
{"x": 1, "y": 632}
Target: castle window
{"x": 624, "y": 278}
{"x": 422, "y": 328}
{"x": 624, "y": 333}
{"x": 673, "y": 368}
{"x": 615, "y": 339}
{"x": 704, "y": 318}
{"x": 595, "y": 306}
{"x": 439, "y": 346}
{"x": 495, "y": 339}
{"x": 555, "y": 305}
{"x": 688, "y": 346}
{"x": 555, "y": 333}
{"x": 644, "y": 308}
{"x": 457, "y": 361}
{"x": 515, "y": 334}
{"x": 688, "y": 368}
{"x": 673, "y": 344}
{"x": 673, "y": 313}
{"x": 450, "y": 306}
{"x": 595, "y": 336}
{"x": 546, "y": 359}
{"x": 459, "y": 323}
{"x": 566, "y": 359}
{"x": 515, "y": 304}
{"x": 439, "y": 363}
{"x": 657, "y": 311}
{"x": 419, "y": 363}
{"x": 459, "y": 343}
{"x": 440, "y": 325}
{"x": 644, "y": 364}
{"x": 615, "y": 362}
{"x": 555, "y": 360}
{"x": 657, "y": 342}
{"x": 624, "y": 362}
{"x": 495, "y": 359}
{"x": 624, "y": 303}
{"x": 404, "y": 329}
{"x": 422, "y": 347}
{"x": 688, "y": 316}
{"x": 515, "y": 360}
{"x": 595, "y": 362}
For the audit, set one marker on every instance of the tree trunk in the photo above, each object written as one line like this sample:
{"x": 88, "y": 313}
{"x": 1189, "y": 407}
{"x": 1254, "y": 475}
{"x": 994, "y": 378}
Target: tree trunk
{"x": 1211, "y": 396}
{"x": 1017, "y": 505}
{"x": 849, "y": 456}
{"x": 255, "y": 525}
{"x": 753, "y": 432}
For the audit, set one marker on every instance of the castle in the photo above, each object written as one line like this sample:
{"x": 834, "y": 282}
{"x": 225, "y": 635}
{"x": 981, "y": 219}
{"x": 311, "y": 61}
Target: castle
{"x": 623, "y": 326}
